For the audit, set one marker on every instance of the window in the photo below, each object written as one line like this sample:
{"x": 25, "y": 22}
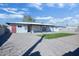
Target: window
{"x": 43, "y": 28}
{"x": 19, "y": 25}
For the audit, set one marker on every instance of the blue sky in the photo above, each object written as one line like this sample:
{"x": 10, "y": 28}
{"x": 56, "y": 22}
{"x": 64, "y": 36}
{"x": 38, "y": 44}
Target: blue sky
{"x": 54, "y": 13}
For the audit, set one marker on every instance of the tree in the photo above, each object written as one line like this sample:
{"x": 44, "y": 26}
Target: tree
{"x": 28, "y": 19}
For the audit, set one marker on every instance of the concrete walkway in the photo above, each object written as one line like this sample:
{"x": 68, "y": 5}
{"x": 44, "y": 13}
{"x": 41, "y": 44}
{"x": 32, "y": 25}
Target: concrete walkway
{"x": 18, "y": 44}
{"x": 59, "y": 46}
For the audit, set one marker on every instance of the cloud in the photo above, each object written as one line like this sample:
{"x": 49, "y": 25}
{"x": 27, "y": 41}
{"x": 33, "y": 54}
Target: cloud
{"x": 43, "y": 19}
{"x": 72, "y": 5}
{"x": 46, "y": 17}
{"x": 67, "y": 18}
{"x": 3, "y": 4}
{"x": 10, "y": 16}
{"x": 50, "y": 4}
{"x": 11, "y": 10}
{"x": 4, "y": 18}
{"x": 37, "y": 5}
{"x": 71, "y": 21}
{"x": 20, "y": 12}
{"x": 15, "y": 15}
{"x": 24, "y": 9}
{"x": 61, "y": 5}
{"x": 16, "y": 10}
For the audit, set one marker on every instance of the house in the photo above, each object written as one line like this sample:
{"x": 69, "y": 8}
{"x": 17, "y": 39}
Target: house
{"x": 24, "y": 27}
{"x": 70, "y": 29}
{"x": 77, "y": 29}
{"x": 58, "y": 28}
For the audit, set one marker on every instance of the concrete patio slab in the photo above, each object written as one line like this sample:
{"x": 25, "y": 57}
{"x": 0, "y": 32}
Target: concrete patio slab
{"x": 19, "y": 43}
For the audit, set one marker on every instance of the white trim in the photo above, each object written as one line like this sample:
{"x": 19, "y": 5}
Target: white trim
{"x": 32, "y": 23}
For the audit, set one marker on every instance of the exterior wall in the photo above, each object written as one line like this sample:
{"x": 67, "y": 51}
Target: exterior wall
{"x": 77, "y": 29}
{"x": 36, "y": 29}
{"x": 56, "y": 29}
{"x": 69, "y": 29}
{"x": 21, "y": 29}
{"x": 48, "y": 29}
{"x": 24, "y": 29}
{"x": 14, "y": 28}
{"x": 10, "y": 28}
{"x": 52, "y": 29}
{"x": 40, "y": 29}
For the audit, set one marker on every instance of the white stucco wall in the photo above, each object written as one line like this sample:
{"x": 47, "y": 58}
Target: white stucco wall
{"x": 10, "y": 28}
{"x": 52, "y": 29}
{"x": 22, "y": 29}
{"x": 69, "y": 29}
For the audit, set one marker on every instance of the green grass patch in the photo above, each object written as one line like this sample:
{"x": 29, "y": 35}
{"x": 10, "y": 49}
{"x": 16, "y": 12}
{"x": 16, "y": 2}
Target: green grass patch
{"x": 56, "y": 35}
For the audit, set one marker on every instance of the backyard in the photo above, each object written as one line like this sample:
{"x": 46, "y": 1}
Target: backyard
{"x": 56, "y": 35}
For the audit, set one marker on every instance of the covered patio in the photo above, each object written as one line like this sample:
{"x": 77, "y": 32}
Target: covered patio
{"x": 23, "y": 27}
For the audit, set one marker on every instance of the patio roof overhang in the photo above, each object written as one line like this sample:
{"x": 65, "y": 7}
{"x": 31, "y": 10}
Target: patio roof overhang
{"x": 32, "y": 23}
{"x": 29, "y": 23}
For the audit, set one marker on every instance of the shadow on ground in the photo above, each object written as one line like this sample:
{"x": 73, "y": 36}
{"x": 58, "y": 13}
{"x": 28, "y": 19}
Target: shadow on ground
{"x": 74, "y": 53}
{"x": 5, "y": 36}
{"x": 37, "y": 53}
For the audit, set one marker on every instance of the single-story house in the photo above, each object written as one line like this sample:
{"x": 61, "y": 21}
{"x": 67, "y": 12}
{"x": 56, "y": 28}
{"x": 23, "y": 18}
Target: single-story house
{"x": 70, "y": 29}
{"x": 77, "y": 29}
{"x": 23, "y": 27}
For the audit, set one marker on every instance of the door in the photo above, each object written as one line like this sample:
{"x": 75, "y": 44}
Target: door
{"x": 14, "y": 28}
{"x": 29, "y": 28}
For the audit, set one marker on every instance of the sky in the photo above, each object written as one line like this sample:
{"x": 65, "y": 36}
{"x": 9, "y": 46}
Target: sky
{"x": 52, "y": 13}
